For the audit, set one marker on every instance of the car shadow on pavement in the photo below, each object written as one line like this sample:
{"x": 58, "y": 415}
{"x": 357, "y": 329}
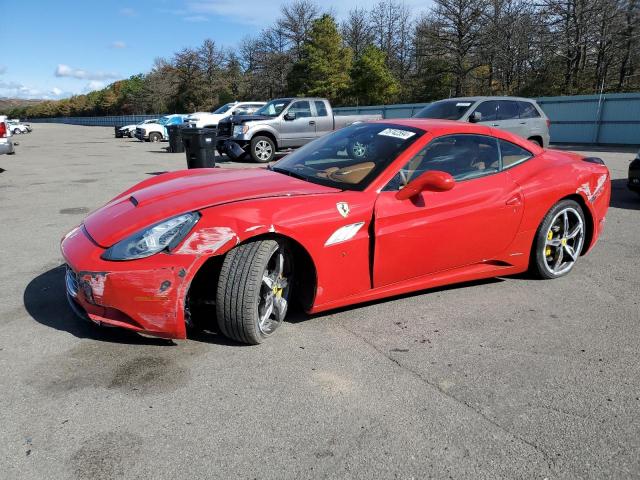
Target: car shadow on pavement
{"x": 622, "y": 197}
{"x": 45, "y": 300}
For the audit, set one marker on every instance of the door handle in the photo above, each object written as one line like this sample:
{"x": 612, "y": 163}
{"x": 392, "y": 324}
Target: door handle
{"x": 495, "y": 124}
{"x": 514, "y": 201}
{"x": 312, "y": 122}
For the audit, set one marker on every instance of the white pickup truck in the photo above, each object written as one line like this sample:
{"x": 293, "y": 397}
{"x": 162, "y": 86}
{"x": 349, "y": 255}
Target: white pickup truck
{"x": 130, "y": 130}
{"x": 156, "y": 132}
{"x": 210, "y": 120}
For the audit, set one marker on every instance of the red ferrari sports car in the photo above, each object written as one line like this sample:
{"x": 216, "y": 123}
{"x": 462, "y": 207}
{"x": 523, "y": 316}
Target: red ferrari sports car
{"x": 370, "y": 211}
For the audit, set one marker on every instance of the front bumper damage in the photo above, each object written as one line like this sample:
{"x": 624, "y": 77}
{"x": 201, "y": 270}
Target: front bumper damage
{"x": 233, "y": 149}
{"x": 145, "y": 295}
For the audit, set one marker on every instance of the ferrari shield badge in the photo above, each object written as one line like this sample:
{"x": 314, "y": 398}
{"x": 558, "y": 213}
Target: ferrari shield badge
{"x": 343, "y": 208}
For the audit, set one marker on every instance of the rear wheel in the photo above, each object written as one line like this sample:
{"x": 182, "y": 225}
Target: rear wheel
{"x": 537, "y": 141}
{"x": 263, "y": 149}
{"x": 155, "y": 137}
{"x": 559, "y": 240}
{"x": 254, "y": 290}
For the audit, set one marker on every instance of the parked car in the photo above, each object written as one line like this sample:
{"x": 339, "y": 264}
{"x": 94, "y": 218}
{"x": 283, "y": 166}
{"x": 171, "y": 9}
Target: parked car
{"x": 210, "y": 120}
{"x": 130, "y": 130}
{"x": 157, "y": 131}
{"x": 430, "y": 203}
{"x": 17, "y": 120}
{"x": 634, "y": 174}
{"x": 6, "y": 142}
{"x": 18, "y": 128}
{"x": 521, "y": 116}
{"x": 281, "y": 124}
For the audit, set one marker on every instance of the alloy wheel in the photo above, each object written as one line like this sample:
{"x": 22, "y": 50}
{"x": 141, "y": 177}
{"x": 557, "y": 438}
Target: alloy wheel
{"x": 274, "y": 292}
{"x": 563, "y": 242}
{"x": 263, "y": 150}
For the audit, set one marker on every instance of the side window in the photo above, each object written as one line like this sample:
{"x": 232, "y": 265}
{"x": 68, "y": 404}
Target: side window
{"x": 507, "y": 110}
{"x": 512, "y": 154}
{"x": 301, "y": 109}
{"x": 463, "y": 156}
{"x": 528, "y": 110}
{"x": 321, "y": 108}
{"x": 488, "y": 110}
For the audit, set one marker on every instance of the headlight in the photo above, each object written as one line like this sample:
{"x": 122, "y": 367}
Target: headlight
{"x": 161, "y": 236}
{"x": 240, "y": 130}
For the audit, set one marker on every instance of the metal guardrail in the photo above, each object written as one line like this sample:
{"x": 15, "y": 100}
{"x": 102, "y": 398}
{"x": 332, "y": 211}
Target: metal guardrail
{"x": 589, "y": 119}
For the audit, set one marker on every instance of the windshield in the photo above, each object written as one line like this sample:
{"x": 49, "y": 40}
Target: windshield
{"x": 274, "y": 107}
{"x": 224, "y": 108}
{"x": 445, "y": 109}
{"x": 164, "y": 120}
{"x": 350, "y": 158}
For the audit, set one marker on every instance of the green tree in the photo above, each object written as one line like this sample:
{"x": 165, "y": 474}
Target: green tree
{"x": 323, "y": 69}
{"x": 372, "y": 82}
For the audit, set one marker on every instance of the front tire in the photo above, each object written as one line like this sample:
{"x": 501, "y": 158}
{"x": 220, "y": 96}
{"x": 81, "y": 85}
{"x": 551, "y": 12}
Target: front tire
{"x": 559, "y": 240}
{"x": 154, "y": 137}
{"x": 254, "y": 288}
{"x": 263, "y": 149}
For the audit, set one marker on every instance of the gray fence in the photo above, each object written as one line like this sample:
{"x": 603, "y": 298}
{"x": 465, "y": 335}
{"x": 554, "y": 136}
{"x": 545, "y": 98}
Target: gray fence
{"x": 591, "y": 119}
{"x": 109, "y": 121}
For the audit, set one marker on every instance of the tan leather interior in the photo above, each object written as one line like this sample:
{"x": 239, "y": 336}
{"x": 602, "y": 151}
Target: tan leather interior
{"x": 352, "y": 174}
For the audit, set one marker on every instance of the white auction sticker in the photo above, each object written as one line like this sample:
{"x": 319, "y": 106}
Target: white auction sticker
{"x": 463, "y": 104}
{"x": 395, "y": 133}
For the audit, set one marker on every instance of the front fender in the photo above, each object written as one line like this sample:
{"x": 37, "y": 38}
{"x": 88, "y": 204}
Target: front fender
{"x": 310, "y": 220}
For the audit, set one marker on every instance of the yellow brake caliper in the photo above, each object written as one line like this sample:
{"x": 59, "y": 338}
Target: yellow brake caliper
{"x": 547, "y": 251}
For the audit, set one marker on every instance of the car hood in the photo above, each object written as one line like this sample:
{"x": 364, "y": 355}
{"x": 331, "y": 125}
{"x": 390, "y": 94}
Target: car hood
{"x": 247, "y": 118}
{"x": 167, "y": 195}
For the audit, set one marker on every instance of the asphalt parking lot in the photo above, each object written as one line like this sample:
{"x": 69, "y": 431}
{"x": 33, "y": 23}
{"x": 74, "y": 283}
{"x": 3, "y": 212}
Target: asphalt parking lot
{"x": 507, "y": 378}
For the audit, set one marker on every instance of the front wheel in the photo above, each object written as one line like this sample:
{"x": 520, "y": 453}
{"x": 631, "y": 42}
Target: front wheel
{"x": 263, "y": 149}
{"x": 254, "y": 290}
{"x": 559, "y": 240}
{"x": 155, "y": 137}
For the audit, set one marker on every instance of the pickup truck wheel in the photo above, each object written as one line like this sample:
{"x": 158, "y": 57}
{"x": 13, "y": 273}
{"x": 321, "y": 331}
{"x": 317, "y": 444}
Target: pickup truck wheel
{"x": 154, "y": 137}
{"x": 253, "y": 291}
{"x": 263, "y": 150}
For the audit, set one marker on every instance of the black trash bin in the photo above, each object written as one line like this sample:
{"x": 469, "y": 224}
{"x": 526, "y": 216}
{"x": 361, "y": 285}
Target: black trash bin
{"x": 175, "y": 138}
{"x": 200, "y": 147}
{"x": 118, "y": 131}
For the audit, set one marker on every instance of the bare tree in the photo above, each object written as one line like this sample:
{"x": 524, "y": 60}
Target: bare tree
{"x": 295, "y": 22}
{"x": 357, "y": 31}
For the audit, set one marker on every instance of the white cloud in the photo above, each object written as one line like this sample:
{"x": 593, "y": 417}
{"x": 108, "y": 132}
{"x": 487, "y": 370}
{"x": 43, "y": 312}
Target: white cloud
{"x": 128, "y": 12}
{"x": 67, "y": 71}
{"x": 118, "y": 44}
{"x": 18, "y": 90}
{"x": 93, "y": 85}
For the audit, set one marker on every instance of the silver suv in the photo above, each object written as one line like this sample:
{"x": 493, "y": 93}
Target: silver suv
{"x": 521, "y": 116}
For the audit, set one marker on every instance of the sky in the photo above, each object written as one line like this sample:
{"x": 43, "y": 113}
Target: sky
{"x": 57, "y": 49}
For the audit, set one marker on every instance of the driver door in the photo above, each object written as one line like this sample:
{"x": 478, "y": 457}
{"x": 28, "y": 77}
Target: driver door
{"x": 301, "y": 130}
{"x": 475, "y": 221}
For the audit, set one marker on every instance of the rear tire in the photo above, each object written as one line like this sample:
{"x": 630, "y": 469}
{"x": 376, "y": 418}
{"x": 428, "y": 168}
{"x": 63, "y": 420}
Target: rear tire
{"x": 559, "y": 240}
{"x": 254, "y": 290}
{"x": 154, "y": 137}
{"x": 537, "y": 141}
{"x": 262, "y": 149}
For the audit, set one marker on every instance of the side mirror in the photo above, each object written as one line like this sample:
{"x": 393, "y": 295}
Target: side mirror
{"x": 435, "y": 181}
{"x": 475, "y": 117}
{"x": 290, "y": 116}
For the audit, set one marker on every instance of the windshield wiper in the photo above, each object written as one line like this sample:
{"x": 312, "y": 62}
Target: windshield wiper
{"x": 287, "y": 172}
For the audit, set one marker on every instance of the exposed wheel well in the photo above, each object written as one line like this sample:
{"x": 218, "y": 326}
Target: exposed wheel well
{"x": 200, "y": 311}
{"x": 267, "y": 134}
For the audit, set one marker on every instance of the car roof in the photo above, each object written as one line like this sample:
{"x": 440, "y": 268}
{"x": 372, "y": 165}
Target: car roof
{"x": 482, "y": 98}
